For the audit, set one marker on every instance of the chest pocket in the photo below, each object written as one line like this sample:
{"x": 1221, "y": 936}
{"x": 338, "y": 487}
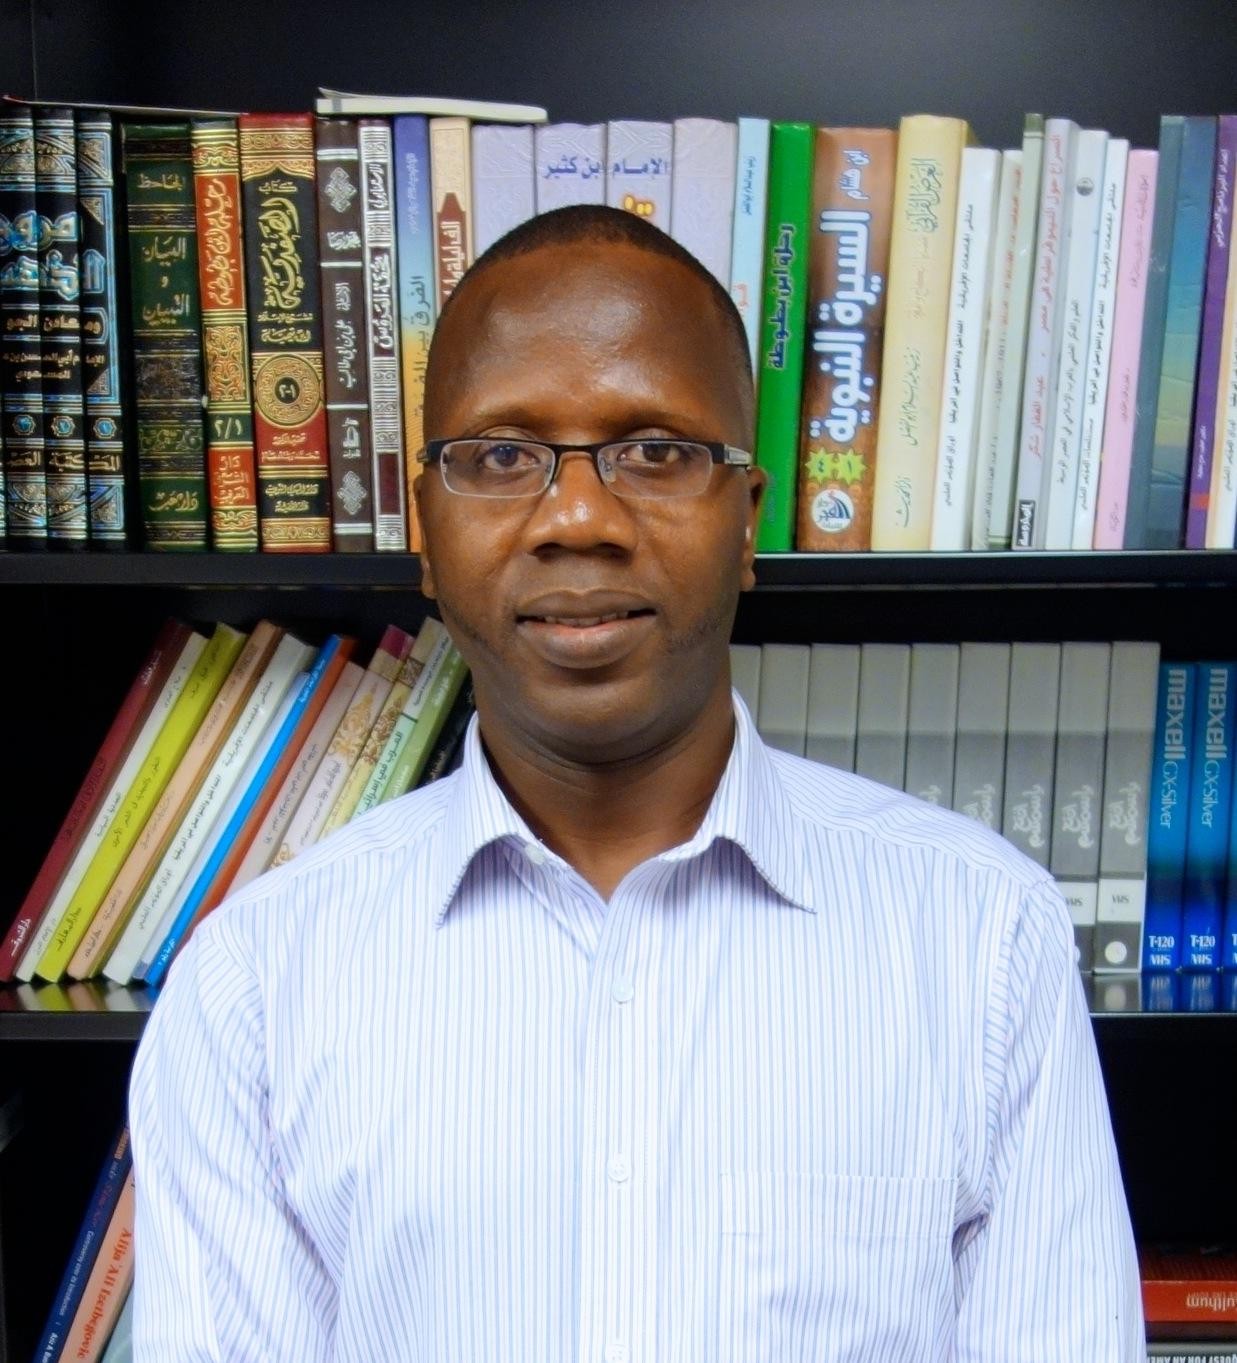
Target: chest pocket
{"x": 843, "y": 1268}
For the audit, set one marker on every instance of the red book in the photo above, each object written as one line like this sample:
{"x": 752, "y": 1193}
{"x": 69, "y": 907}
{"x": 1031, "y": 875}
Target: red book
{"x": 1188, "y": 1286}
{"x": 141, "y": 696}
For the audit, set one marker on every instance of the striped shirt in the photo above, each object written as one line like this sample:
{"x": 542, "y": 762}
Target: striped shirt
{"x": 818, "y": 1084}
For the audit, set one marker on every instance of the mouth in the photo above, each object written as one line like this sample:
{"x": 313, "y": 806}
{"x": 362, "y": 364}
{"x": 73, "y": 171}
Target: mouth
{"x": 573, "y": 637}
{"x": 583, "y": 621}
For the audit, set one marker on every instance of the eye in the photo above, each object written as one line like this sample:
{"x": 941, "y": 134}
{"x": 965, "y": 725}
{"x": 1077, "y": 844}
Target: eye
{"x": 654, "y": 453}
{"x": 505, "y": 456}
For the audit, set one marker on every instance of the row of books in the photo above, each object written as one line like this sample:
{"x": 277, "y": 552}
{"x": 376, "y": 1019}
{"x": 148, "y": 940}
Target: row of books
{"x": 1111, "y": 769}
{"x": 229, "y": 755}
{"x": 1189, "y": 1298}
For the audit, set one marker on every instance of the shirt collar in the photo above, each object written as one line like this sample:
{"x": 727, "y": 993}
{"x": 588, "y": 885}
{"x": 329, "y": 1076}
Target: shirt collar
{"x": 749, "y": 809}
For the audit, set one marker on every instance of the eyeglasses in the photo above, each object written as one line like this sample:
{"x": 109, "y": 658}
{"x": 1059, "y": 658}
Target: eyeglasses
{"x": 629, "y": 468}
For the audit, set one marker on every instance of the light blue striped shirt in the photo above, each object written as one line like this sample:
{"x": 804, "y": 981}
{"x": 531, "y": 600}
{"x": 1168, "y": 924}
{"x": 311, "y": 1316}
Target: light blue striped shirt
{"x": 818, "y": 1084}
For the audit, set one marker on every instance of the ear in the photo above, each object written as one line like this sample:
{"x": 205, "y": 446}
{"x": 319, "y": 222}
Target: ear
{"x": 757, "y": 481}
{"x": 427, "y": 568}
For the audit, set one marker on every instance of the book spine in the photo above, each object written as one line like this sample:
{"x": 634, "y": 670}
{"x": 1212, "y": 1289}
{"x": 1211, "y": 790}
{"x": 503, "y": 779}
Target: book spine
{"x": 101, "y": 321}
{"x": 983, "y": 720}
{"x": 884, "y": 694}
{"x": 702, "y": 191}
{"x": 232, "y": 478}
{"x": 782, "y": 329}
{"x": 445, "y": 687}
{"x": 447, "y": 751}
{"x": 781, "y": 719}
{"x": 285, "y": 332}
{"x": 120, "y": 1346}
{"x": 1044, "y": 327}
{"x": 167, "y": 344}
{"x": 1228, "y": 954}
{"x": 1205, "y": 409}
{"x": 25, "y": 472}
{"x": 386, "y": 429}
{"x": 569, "y": 164}
{"x": 503, "y": 190}
{"x": 965, "y": 339}
{"x": 848, "y": 258}
{"x": 1099, "y": 343}
{"x": 108, "y": 1284}
{"x": 1211, "y": 793}
{"x": 745, "y": 675}
{"x": 932, "y": 723}
{"x": 1121, "y": 910}
{"x": 1168, "y": 824}
{"x": 1030, "y": 748}
{"x": 342, "y": 257}
{"x": 1222, "y": 510}
{"x": 451, "y": 185}
{"x": 751, "y": 195}
{"x": 925, "y": 204}
{"x": 833, "y": 705}
{"x": 640, "y": 169}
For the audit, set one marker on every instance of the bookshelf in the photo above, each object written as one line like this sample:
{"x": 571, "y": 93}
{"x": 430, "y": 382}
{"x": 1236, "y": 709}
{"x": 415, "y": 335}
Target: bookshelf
{"x": 76, "y": 624}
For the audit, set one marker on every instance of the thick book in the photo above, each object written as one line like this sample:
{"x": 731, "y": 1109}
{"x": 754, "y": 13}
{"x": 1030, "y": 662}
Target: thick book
{"x": 702, "y": 191}
{"x": 745, "y": 675}
{"x": 445, "y": 684}
{"x": 569, "y": 164}
{"x": 111, "y": 1277}
{"x": 1031, "y": 748}
{"x": 848, "y": 259}
{"x": 783, "y": 324}
{"x": 1169, "y": 816}
{"x": 884, "y": 693}
{"x": 450, "y": 180}
{"x": 1211, "y": 793}
{"x": 503, "y": 188}
{"x": 105, "y": 415}
{"x": 751, "y": 193}
{"x": 167, "y": 335}
{"x": 925, "y": 203}
{"x": 285, "y": 332}
{"x": 640, "y": 168}
{"x": 781, "y": 720}
{"x": 381, "y": 106}
{"x": 1188, "y": 1286}
{"x": 983, "y": 720}
{"x": 342, "y": 260}
{"x": 231, "y": 471}
{"x": 932, "y": 723}
{"x": 833, "y": 705}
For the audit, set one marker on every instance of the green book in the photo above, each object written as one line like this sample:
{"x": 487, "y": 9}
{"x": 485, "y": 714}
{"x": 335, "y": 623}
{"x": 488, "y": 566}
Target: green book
{"x": 444, "y": 686}
{"x": 783, "y": 327}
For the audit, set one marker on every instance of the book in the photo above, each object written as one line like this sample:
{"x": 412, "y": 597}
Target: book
{"x": 751, "y": 193}
{"x": 341, "y": 257}
{"x": 833, "y": 705}
{"x": 1169, "y": 816}
{"x": 745, "y": 675}
{"x": 1211, "y": 793}
{"x": 1031, "y": 748}
{"x": 1228, "y": 953}
{"x": 503, "y": 180}
{"x": 231, "y": 472}
{"x": 932, "y": 723}
{"x": 702, "y": 191}
{"x": 445, "y": 681}
{"x": 492, "y": 111}
{"x": 925, "y": 202}
{"x": 1192, "y": 1351}
{"x": 447, "y": 751}
{"x": 880, "y": 734}
{"x": 569, "y": 165}
{"x": 1188, "y": 1286}
{"x": 640, "y": 168}
{"x": 1222, "y": 500}
{"x": 983, "y": 719}
{"x": 108, "y": 1285}
{"x": 167, "y": 335}
{"x": 848, "y": 259}
{"x": 451, "y": 186}
{"x": 781, "y": 719}
{"x": 120, "y": 1346}
{"x": 783, "y": 324}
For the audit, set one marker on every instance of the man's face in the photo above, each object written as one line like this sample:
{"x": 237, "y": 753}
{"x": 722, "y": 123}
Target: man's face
{"x": 587, "y": 343}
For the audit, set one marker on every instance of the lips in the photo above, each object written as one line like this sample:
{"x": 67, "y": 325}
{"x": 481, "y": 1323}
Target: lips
{"x": 585, "y": 629}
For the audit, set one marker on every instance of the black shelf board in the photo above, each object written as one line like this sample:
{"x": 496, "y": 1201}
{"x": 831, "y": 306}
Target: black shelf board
{"x": 89, "y": 1011}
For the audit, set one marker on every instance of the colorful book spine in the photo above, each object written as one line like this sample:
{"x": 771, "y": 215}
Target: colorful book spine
{"x": 569, "y": 164}
{"x": 60, "y": 326}
{"x": 503, "y": 188}
{"x": 285, "y": 332}
{"x": 751, "y": 195}
{"x": 446, "y": 684}
{"x": 101, "y": 321}
{"x": 925, "y": 204}
{"x": 342, "y": 259}
{"x": 833, "y": 705}
{"x": 232, "y": 479}
{"x": 884, "y": 697}
{"x": 1222, "y": 509}
{"x": 1211, "y": 793}
{"x": 448, "y": 749}
{"x": 382, "y": 333}
{"x": 640, "y": 169}
{"x": 451, "y": 184}
{"x": 983, "y": 720}
{"x": 1205, "y": 409}
{"x": 25, "y": 477}
{"x": 1169, "y": 820}
{"x": 932, "y": 723}
{"x": 848, "y": 258}
{"x": 1031, "y": 748}
{"x": 782, "y": 330}
{"x": 781, "y": 719}
{"x": 108, "y": 1285}
{"x": 702, "y": 191}
{"x": 167, "y": 335}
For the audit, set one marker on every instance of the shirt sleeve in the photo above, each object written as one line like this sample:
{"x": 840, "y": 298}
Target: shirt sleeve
{"x": 224, "y": 1272}
{"x": 1049, "y": 1272}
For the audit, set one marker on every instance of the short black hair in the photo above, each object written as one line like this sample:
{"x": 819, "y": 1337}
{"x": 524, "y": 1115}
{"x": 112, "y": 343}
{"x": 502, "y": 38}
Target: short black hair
{"x": 601, "y": 224}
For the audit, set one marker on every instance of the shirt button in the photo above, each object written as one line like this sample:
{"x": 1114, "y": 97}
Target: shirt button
{"x": 535, "y": 853}
{"x": 622, "y": 991}
{"x": 616, "y": 1353}
{"x": 619, "y": 1169}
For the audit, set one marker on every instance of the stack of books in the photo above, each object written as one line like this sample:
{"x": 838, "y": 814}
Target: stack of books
{"x": 1190, "y": 1302}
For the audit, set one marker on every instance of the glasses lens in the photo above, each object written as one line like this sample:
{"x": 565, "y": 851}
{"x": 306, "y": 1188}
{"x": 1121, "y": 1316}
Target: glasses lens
{"x": 496, "y": 468}
{"x": 658, "y": 468}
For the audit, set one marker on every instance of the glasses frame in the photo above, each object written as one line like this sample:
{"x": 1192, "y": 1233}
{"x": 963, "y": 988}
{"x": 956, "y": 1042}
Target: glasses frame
{"x": 729, "y": 456}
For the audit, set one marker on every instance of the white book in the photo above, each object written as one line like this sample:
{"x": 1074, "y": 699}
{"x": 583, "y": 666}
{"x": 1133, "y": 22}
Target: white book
{"x": 781, "y": 719}
{"x": 1099, "y": 341}
{"x": 751, "y": 193}
{"x": 965, "y": 337}
{"x": 570, "y": 164}
{"x": 639, "y": 168}
{"x": 1222, "y": 507}
{"x": 502, "y": 180}
{"x": 833, "y": 705}
{"x": 1031, "y": 748}
{"x": 702, "y": 191}
{"x": 745, "y": 675}
{"x": 290, "y": 656}
{"x": 994, "y": 380}
{"x": 884, "y": 692}
{"x": 983, "y": 719}
{"x": 108, "y": 807}
{"x": 1086, "y": 202}
{"x": 381, "y": 106}
{"x": 1044, "y": 325}
{"x": 932, "y": 723}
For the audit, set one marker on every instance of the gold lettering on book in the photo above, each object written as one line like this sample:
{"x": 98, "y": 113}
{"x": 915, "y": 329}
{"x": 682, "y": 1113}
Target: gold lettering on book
{"x": 222, "y": 277}
{"x": 279, "y": 230}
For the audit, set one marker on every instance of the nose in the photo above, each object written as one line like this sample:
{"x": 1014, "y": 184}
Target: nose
{"x": 577, "y": 511}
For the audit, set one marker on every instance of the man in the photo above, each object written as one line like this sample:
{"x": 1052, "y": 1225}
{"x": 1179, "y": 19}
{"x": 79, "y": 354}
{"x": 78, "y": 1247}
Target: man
{"x": 633, "y": 1041}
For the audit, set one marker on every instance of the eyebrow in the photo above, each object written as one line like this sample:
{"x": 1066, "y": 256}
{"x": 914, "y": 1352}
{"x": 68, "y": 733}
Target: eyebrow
{"x": 532, "y": 419}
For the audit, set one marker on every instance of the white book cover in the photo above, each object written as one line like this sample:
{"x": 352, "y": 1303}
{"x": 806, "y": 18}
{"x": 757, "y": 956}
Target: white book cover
{"x": 781, "y": 719}
{"x": 965, "y": 337}
{"x": 502, "y": 180}
{"x": 639, "y": 168}
{"x": 932, "y": 723}
{"x": 1031, "y": 748}
{"x": 108, "y": 807}
{"x": 570, "y": 165}
{"x": 1099, "y": 342}
{"x": 1221, "y": 528}
{"x": 702, "y": 191}
{"x": 833, "y": 705}
{"x": 884, "y": 693}
{"x": 983, "y": 718}
{"x": 331, "y": 101}
{"x": 993, "y": 381}
{"x": 1044, "y": 326}
{"x": 745, "y": 675}
{"x": 1086, "y": 203}
{"x": 751, "y": 194}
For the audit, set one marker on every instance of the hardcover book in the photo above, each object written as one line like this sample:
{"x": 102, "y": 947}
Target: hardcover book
{"x": 639, "y": 169}
{"x": 450, "y": 180}
{"x": 108, "y": 1285}
{"x": 932, "y": 723}
{"x": 702, "y": 191}
{"x": 884, "y": 691}
{"x": 833, "y": 705}
{"x": 751, "y": 194}
{"x": 1031, "y": 747}
{"x": 983, "y": 719}
{"x": 503, "y": 188}
{"x": 1169, "y": 821}
{"x": 569, "y": 164}
{"x": 781, "y": 719}
{"x": 1188, "y": 1286}
{"x": 382, "y": 106}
